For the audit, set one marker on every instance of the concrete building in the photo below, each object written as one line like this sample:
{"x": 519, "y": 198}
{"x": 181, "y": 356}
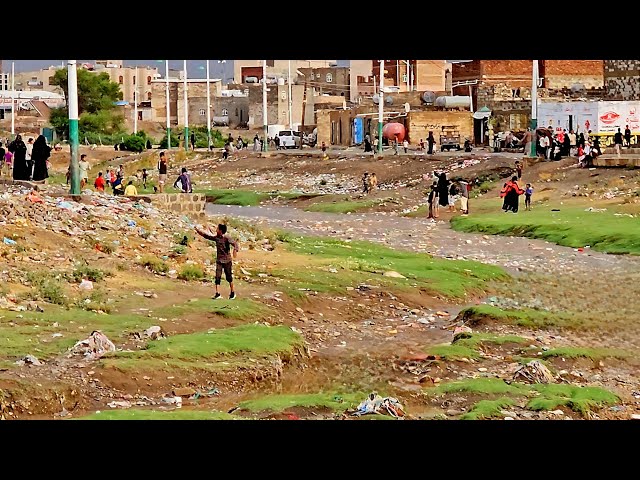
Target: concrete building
{"x": 196, "y": 99}
{"x": 360, "y": 80}
{"x": 326, "y": 80}
{"x": 275, "y": 68}
{"x": 130, "y": 78}
{"x": 421, "y": 75}
{"x": 622, "y": 79}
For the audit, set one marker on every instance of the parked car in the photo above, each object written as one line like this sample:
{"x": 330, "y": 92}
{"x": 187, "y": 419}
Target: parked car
{"x": 289, "y": 139}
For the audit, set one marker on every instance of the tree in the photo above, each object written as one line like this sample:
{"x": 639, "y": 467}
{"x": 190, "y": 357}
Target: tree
{"x": 97, "y": 95}
{"x": 96, "y": 91}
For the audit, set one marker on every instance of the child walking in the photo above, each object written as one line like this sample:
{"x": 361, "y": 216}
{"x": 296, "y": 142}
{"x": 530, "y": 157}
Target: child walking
{"x": 528, "y": 191}
{"x": 223, "y": 256}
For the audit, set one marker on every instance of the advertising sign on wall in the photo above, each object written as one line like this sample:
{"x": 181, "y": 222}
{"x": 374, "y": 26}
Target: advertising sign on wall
{"x": 599, "y": 117}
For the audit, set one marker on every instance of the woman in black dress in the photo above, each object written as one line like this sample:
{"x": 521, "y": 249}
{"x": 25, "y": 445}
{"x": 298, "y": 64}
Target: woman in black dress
{"x": 40, "y": 155}
{"x": 19, "y": 150}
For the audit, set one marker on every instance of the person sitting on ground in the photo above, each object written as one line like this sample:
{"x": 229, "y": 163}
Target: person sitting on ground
{"x": 183, "y": 182}
{"x": 99, "y": 182}
{"x": 34, "y": 196}
{"x": 131, "y": 189}
{"x": 365, "y": 182}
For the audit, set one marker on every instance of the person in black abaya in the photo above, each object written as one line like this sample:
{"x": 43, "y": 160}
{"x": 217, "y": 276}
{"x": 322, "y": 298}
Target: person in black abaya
{"x": 443, "y": 189}
{"x": 19, "y": 150}
{"x": 40, "y": 154}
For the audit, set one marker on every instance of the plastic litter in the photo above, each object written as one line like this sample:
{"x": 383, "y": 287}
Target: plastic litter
{"x": 131, "y": 223}
{"x": 374, "y": 403}
{"x": 8, "y": 241}
{"x": 86, "y": 285}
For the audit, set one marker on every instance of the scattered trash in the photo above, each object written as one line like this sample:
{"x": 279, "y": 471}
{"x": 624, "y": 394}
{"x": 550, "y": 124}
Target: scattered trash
{"x": 173, "y": 400}
{"x": 8, "y": 241}
{"x": 96, "y": 345}
{"x": 29, "y": 360}
{"x": 86, "y": 285}
{"x": 123, "y": 404}
{"x": 131, "y": 223}
{"x": 534, "y": 372}
{"x": 374, "y": 403}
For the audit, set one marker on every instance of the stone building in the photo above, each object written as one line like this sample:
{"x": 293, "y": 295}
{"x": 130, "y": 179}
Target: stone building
{"x": 622, "y": 79}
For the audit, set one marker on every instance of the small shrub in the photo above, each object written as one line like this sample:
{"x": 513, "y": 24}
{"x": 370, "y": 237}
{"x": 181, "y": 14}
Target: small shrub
{"x": 154, "y": 264}
{"x": 90, "y": 273}
{"x": 191, "y": 272}
{"x": 104, "y": 247}
{"x": 184, "y": 238}
{"x": 50, "y": 289}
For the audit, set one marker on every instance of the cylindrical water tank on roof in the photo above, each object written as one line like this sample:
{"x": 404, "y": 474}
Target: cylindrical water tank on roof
{"x": 391, "y": 129}
{"x": 453, "y": 101}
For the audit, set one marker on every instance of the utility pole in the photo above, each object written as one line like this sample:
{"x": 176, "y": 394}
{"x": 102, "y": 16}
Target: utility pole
{"x": 289, "y": 97}
{"x": 534, "y": 109}
{"x": 166, "y": 91}
{"x": 135, "y": 102}
{"x": 13, "y": 101}
{"x": 380, "y": 106}
{"x": 208, "y": 109}
{"x": 264, "y": 104}
{"x": 72, "y": 79}
{"x": 408, "y": 66}
{"x": 186, "y": 110}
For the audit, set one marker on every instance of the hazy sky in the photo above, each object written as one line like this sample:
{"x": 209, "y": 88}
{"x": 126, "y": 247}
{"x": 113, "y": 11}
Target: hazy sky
{"x": 195, "y": 68}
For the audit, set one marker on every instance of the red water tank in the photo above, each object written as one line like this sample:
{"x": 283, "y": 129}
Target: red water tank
{"x": 391, "y": 129}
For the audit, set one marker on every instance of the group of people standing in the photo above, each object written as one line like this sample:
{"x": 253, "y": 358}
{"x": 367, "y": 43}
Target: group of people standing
{"x": 445, "y": 193}
{"x": 26, "y": 161}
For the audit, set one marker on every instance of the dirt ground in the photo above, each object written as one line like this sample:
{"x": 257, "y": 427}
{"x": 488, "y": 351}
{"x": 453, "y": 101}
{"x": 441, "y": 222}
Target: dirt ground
{"x": 364, "y": 338}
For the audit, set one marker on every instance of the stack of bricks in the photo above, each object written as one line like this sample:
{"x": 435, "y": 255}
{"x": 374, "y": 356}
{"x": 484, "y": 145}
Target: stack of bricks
{"x": 622, "y": 78}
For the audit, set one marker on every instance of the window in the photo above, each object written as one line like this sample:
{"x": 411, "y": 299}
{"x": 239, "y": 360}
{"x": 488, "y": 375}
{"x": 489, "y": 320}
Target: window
{"x": 404, "y": 78}
{"x": 121, "y": 80}
{"x": 202, "y": 112}
{"x": 236, "y": 112}
{"x": 149, "y": 96}
{"x": 517, "y": 122}
{"x": 225, "y": 112}
{"x": 317, "y": 75}
{"x": 134, "y": 79}
{"x": 329, "y": 78}
{"x": 149, "y": 80}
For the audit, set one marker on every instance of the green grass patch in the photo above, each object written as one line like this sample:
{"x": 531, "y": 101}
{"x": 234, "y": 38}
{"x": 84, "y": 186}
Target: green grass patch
{"x": 279, "y": 403}
{"x": 342, "y": 207}
{"x": 202, "y": 346}
{"x": 571, "y": 227}
{"x": 592, "y": 353}
{"x": 451, "y": 278}
{"x": 191, "y": 272}
{"x": 488, "y": 409}
{"x": 579, "y": 399}
{"x": 140, "y": 414}
{"x": 32, "y": 333}
{"x": 452, "y": 352}
{"x": 525, "y": 317}
{"x": 542, "y": 396}
{"x": 155, "y": 264}
{"x": 233, "y": 197}
{"x": 477, "y": 339}
{"x": 485, "y": 386}
{"x": 239, "y": 308}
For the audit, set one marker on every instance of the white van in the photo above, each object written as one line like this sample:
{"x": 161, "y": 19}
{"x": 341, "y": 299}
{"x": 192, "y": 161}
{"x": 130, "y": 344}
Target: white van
{"x": 289, "y": 139}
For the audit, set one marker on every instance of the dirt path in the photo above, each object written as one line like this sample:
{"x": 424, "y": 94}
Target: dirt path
{"x": 515, "y": 254}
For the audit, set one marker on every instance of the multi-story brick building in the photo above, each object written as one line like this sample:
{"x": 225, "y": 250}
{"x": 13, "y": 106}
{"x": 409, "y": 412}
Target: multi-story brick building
{"x": 622, "y": 79}
{"x": 326, "y": 80}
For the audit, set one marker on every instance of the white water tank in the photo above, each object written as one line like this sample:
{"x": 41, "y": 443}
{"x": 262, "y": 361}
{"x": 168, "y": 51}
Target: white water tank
{"x": 280, "y": 81}
{"x": 454, "y": 101}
